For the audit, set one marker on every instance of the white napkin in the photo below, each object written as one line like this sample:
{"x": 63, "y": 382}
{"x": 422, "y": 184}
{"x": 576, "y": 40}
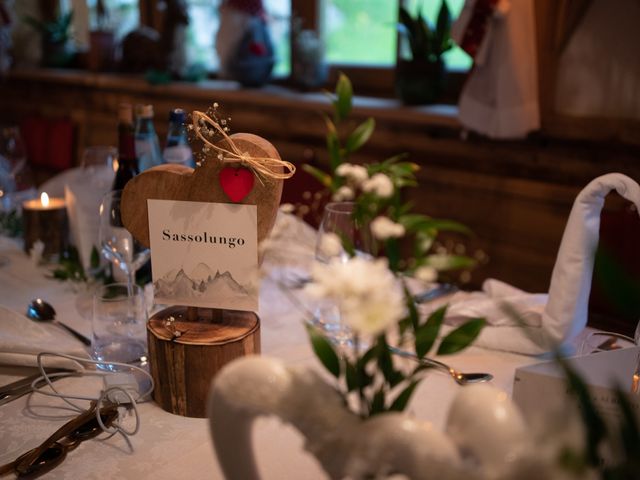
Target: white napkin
{"x": 21, "y": 339}
{"x": 553, "y": 320}
{"x": 487, "y": 303}
{"x": 83, "y": 192}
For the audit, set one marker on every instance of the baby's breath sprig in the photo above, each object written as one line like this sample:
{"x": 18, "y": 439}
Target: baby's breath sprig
{"x": 211, "y": 134}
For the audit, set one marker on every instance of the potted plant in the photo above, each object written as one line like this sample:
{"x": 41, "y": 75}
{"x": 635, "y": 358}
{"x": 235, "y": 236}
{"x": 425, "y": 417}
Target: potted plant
{"x": 57, "y": 50}
{"x": 420, "y": 70}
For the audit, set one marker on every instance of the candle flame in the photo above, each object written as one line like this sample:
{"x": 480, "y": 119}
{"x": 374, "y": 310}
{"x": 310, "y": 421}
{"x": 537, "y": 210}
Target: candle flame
{"x": 44, "y": 199}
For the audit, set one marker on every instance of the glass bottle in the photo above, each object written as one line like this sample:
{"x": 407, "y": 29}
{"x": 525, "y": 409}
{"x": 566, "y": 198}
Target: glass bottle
{"x": 177, "y": 149}
{"x": 147, "y": 144}
{"x": 127, "y": 160}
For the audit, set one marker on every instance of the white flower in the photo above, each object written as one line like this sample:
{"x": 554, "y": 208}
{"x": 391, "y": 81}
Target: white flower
{"x": 380, "y": 184}
{"x": 354, "y": 173}
{"x": 287, "y": 208}
{"x": 383, "y": 228}
{"x": 344, "y": 193}
{"x": 366, "y": 292}
{"x": 330, "y": 245}
{"x": 426, "y": 274}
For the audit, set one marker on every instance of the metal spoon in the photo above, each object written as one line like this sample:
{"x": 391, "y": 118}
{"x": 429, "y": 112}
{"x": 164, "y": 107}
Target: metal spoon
{"x": 42, "y": 311}
{"x": 459, "y": 377}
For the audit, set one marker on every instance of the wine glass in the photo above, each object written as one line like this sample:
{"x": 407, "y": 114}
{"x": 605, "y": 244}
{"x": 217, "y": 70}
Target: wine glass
{"x": 338, "y": 229}
{"x": 116, "y": 243}
{"x": 16, "y": 181}
{"x": 98, "y": 157}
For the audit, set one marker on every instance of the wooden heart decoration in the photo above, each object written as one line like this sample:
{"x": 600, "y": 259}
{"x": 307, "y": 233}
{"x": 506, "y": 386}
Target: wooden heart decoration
{"x": 177, "y": 182}
{"x": 236, "y": 182}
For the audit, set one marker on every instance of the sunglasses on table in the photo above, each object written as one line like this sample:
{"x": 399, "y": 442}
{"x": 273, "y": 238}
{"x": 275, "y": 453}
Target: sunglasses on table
{"x": 54, "y": 449}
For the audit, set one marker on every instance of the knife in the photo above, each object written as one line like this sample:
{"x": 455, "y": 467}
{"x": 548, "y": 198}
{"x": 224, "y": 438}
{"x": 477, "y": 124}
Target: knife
{"x": 438, "y": 291}
{"x": 23, "y": 386}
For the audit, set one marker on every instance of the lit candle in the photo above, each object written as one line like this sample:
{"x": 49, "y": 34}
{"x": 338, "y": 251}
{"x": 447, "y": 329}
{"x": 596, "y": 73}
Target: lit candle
{"x": 45, "y": 219}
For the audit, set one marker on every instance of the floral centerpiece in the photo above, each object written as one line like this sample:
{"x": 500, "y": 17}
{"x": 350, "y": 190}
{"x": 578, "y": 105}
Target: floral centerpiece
{"x": 372, "y": 294}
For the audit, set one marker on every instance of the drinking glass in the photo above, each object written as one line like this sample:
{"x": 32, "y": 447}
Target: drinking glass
{"x": 16, "y": 180}
{"x": 99, "y": 156}
{"x": 116, "y": 243}
{"x": 119, "y": 326}
{"x": 338, "y": 223}
{"x": 338, "y": 227}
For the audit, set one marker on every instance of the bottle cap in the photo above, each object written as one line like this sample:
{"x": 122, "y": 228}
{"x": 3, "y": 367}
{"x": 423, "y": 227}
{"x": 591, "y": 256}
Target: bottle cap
{"x": 177, "y": 115}
{"x": 144, "y": 111}
{"x": 125, "y": 113}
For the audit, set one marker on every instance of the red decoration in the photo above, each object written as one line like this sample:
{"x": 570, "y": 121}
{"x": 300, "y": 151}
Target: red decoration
{"x": 236, "y": 183}
{"x": 258, "y": 49}
{"x": 477, "y": 26}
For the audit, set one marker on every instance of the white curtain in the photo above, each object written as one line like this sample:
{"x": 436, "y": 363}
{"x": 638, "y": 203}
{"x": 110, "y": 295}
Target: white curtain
{"x": 599, "y": 70}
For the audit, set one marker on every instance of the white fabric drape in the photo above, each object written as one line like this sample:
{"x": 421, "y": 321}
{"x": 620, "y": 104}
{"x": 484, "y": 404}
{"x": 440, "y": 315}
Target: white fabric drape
{"x": 500, "y": 98}
{"x": 599, "y": 69}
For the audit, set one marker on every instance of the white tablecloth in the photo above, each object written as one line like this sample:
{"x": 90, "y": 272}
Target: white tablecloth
{"x": 170, "y": 446}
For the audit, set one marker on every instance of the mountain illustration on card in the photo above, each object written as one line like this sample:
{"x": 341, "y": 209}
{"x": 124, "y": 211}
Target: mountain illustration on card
{"x": 202, "y": 284}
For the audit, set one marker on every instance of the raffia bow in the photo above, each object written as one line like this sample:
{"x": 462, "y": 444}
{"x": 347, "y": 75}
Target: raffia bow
{"x": 262, "y": 166}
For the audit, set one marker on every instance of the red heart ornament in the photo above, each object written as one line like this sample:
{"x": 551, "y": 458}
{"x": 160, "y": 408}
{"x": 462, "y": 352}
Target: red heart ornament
{"x": 236, "y": 183}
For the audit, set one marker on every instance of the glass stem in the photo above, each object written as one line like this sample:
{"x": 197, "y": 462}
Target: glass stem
{"x": 131, "y": 281}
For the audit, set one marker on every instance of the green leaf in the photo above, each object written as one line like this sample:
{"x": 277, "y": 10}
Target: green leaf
{"x": 415, "y": 222}
{"x": 449, "y": 262}
{"x": 412, "y": 309}
{"x": 344, "y": 94}
{"x": 385, "y": 362}
{"x": 324, "y": 351}
{"x": 323, "y": 177}
{"x": 333, "y": 147}
{"x": 351, "y": 376}
{"x": 461, "y": 337}
{"x": 401, "y": 401}
{"x": 360, "y": 135}
{"x": 443, "y": 29}
{"x": 427, "y": 333}
{"x": 423, "y": 40}
{"x": 377, "y": 405}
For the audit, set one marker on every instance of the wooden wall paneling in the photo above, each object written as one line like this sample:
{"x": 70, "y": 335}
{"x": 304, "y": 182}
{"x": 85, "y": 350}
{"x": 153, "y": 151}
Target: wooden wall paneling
{"x": 515, "y": 195}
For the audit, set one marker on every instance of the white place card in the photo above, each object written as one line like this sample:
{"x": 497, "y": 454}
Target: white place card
{"x": 204, "y": 254}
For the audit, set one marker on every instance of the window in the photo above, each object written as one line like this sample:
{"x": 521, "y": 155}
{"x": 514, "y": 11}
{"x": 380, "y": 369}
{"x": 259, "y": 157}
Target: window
{"x": 123, "y": 16}
{"x": 360, "y": 36}
{"x": 203, "y": 17}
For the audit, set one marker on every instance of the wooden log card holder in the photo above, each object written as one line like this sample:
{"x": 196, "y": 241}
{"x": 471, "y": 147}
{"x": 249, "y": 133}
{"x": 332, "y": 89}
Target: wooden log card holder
{"x": 188, "y": 345}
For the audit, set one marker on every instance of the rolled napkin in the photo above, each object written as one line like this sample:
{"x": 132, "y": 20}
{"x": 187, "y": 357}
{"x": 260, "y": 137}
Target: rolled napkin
{"x": 22, "y": 339}
{"x": 553, "y": 321}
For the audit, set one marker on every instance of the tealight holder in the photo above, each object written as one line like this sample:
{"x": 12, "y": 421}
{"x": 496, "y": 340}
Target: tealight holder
{"x": 44, "y": 219}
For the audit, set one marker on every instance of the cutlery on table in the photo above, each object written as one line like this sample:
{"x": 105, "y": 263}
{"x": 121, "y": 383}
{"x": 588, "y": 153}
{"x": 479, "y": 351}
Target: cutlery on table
{"x": 440, "y": 290}
{"x": 42, "y": 311}
{"x": 21, "y": 387}
{"x": 460, "y": 377}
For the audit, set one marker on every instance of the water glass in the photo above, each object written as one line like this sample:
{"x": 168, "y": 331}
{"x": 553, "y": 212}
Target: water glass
{"x": 119, "y": 326}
